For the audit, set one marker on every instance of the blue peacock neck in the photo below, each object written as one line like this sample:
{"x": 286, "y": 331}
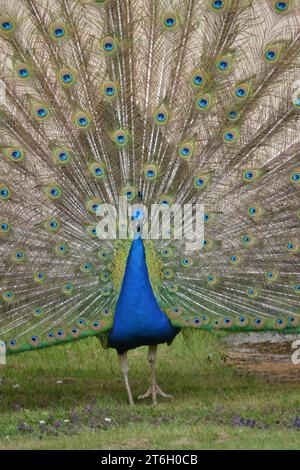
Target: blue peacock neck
{"x": 138, "y": 319}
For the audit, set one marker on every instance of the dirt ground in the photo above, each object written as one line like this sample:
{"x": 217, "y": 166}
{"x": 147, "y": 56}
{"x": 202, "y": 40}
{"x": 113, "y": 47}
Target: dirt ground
{"x": 268, "y": 356}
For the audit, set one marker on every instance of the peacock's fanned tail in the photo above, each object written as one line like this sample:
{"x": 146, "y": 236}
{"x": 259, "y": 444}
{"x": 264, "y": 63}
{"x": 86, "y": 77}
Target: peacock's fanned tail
{"x": 164, "y": 102}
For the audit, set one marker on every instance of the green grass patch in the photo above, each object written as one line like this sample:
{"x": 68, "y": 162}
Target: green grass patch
{"x": 72, "y": 397}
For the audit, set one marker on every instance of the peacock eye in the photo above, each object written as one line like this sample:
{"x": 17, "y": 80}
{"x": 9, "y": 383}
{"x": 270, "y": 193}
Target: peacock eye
{"x": 59, "y": 32}
{"x": 19, "y": 256}
{"x": 6, "y": 25}
{"x": 161, "y": 117}
{"x": 23, "y": 72}
{"x": 82, "y": 121}
{"x": 121, "y": 138}
{"x": 4, "y": 193}
{"x": 67, "y": 77}
{"x": 203, "y": 103}
{"x": 63, "y": 156}
{"x": 187, "y": 262}
{"x": 109, "y": 91}
{"x": 198, "y": 80}
{"x": 223, "y": 65}
{"x": 240, "y": 92}
{"x": 37, "y": 311}
{"x": 169, "y": 21}
{"x": 8, "y": 296}
{"x": 218, "y": 4}
{"x": 229, "y": 136}
{"x": 270, "y": 55}
{"x": 42, "y": 112}
{"x": 281, "y": 6}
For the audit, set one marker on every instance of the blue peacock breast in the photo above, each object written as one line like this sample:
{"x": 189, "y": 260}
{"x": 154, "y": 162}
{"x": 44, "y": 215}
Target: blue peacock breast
{"x": 138, "y": 319}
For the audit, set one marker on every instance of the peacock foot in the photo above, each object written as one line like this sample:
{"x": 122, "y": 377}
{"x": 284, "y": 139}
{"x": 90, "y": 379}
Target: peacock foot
{"x": 153, "y": 392}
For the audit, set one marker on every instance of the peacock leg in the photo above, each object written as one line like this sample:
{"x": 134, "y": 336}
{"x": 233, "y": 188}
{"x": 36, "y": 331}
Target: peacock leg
{"x": 125, "y": 368}
{"x": 154, "y": 389}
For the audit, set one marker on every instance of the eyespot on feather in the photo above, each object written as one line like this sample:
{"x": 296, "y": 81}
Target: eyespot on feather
{"x": 170, "y": 21}
{"x": 204, "y": 102}
{"x": 82, "y": 120}
{"x": 109, "y": 90}
{"x": 151, "y": 172}
{"x": 219, "y": 6}
{"x": 5, "y": 192}
{"x": 67, "y": 77}
{"x": 14, "y": 154}
{"x": 161, "y": 116}
{"x": 5, "y": 227}
{"x": 200, "y": 79}
{"x": 242, "y": 91}
{"x": 282, "y": 7}
{"x": 202, "y": 181}
{"x": 7, "y": 26}
{"x": 231, "y": 136}
{"x": 97, "y": 170}
{"x": 129, "y": 192}
{"x": 108, "y": 45}
{"x": 58, "y": 32}
{"x": 22, "y": 71}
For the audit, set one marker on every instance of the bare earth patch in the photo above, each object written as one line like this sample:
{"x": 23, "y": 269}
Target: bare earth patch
{"x": 265, "y": 355}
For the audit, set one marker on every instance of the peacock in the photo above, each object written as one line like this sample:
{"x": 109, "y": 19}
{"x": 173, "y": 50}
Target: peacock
{"x": 145, "y": 104}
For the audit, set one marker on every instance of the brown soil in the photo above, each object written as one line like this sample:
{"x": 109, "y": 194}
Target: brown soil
{"x": 269, "y": 359}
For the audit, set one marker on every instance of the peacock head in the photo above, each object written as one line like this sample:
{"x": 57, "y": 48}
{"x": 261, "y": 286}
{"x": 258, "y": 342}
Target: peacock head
{"x": 137, "y": 221}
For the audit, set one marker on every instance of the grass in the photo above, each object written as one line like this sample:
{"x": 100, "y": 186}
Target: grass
{"x": 72, "y": 397}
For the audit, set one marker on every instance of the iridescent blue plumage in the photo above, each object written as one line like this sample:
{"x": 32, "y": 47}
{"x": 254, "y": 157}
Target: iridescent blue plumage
{"x": 138, "y": 320}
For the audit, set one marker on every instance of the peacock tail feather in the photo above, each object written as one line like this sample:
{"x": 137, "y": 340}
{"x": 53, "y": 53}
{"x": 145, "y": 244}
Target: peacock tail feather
{"x": 166, "y": 102}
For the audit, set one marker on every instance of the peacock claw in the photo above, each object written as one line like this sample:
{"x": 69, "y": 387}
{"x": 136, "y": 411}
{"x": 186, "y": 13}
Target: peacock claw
{"x": 153, "y": 391}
